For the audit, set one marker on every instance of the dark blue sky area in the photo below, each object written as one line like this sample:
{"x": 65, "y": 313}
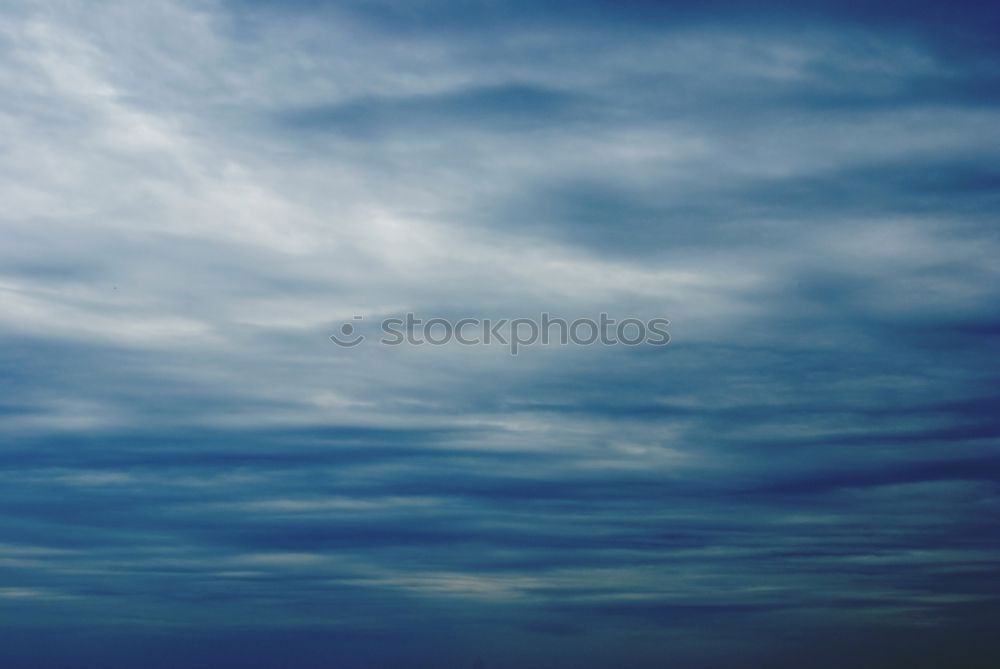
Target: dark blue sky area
{"x": 196, "y": 195}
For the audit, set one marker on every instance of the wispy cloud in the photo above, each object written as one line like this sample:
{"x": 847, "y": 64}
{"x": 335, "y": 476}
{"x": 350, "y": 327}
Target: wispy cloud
{"x": 195, "y": 195}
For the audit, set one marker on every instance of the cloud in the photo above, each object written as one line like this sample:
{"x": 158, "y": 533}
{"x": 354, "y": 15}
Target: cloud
{"x": 197, "y": 195}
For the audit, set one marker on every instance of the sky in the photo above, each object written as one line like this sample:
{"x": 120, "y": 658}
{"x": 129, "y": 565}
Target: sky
{"x": 195, "y": 195}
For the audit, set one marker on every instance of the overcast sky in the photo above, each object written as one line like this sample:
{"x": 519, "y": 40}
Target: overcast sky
{"x": 195, "y": 195}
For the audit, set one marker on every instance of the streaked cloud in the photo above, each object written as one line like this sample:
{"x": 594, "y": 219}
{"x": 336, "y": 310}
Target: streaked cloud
{"x": 195, "y": 195}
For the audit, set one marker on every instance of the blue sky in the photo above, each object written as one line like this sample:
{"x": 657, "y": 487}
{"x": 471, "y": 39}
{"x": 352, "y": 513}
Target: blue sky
{"x": 195, "y": 195}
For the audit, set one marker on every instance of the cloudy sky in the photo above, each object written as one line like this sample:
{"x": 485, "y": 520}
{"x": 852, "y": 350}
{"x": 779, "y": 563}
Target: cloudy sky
{"x": 195, "y": 195}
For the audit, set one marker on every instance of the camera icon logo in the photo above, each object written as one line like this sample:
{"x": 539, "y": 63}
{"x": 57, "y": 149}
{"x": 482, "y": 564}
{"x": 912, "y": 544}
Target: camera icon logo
{"x": 347, "y": 337}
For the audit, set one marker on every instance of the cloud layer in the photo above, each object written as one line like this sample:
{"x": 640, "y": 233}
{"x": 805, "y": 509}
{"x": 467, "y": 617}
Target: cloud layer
{"x": 195, "y": 195}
